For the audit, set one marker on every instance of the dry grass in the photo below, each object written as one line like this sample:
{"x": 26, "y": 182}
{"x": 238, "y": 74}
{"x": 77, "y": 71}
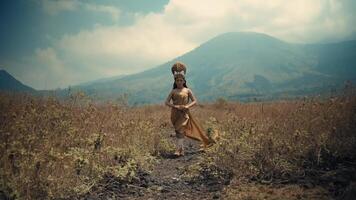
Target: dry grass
{"x": 57, "y": 149}
{"x": 286, "y": 139}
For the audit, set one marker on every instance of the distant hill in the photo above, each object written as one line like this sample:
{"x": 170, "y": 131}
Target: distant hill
{"x": 242, "y": 65}
{"x": 9, "y": 83}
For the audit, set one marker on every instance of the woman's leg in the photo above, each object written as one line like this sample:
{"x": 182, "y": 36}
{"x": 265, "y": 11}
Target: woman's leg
{"x": 180, "y": 143}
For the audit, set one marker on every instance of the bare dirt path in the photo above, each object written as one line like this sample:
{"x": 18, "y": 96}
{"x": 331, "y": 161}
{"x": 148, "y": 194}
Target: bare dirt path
{"x": 166, "y": 181}
{"x": 169, "y": 180}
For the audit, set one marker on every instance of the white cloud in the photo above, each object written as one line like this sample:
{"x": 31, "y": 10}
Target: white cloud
{"x": 111, "y": 10}
{"x": 44, "y": 70}
{"x": 295, "y": 21}
{"x": 48, "y": 57}
{"x": 151, "y": 40}
{"x": 155, "y": 38}
{"x": 51, "y": 69}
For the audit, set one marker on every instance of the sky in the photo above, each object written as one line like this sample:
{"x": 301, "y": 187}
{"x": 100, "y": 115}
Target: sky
{"x": 50, "y": 44}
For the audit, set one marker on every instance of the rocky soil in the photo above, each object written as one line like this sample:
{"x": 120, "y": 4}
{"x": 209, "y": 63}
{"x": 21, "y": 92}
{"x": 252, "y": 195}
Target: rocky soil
{"x": 167, "y": 180}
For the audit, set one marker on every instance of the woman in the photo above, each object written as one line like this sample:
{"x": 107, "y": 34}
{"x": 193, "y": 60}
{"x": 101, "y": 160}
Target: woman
{"x": 183, "y": 122}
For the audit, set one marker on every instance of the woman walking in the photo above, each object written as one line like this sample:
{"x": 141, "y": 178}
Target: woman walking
{"x": 184, "y": 123}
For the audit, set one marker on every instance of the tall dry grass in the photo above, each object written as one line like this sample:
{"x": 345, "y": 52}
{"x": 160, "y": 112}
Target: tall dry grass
{"x": 284, "y": 140}
{"x": 57, "y": 149}
{"x": 53, "y": 149}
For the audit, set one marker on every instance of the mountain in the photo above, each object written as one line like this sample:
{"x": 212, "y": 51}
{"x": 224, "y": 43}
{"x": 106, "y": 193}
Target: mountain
{"x": 241, "y": 65}
{"x": 9, "y": 83}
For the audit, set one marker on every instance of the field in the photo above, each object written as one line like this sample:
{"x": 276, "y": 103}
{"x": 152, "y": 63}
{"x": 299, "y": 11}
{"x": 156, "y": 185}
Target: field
{"x": 80, "y": 149}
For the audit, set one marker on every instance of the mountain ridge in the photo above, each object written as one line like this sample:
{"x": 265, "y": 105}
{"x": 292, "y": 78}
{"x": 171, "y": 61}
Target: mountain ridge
{"x": 10, "y": 84}
{"x": 238, "y": 64}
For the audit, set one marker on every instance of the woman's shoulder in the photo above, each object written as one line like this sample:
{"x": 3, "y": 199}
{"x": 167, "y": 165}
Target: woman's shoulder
{"x": 189, "y": 90}
{"x": 173, "y": 91}
{"x": 184, "y": 90}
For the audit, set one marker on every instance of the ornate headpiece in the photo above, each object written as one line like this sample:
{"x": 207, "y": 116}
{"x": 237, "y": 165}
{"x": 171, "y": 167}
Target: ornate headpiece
{"x": 179, "y": 69}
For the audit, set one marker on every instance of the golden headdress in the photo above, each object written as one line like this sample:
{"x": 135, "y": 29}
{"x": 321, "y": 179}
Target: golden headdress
{"x": 179, "y": 69}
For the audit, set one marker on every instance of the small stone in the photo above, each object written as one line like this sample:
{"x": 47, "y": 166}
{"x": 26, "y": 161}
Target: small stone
{"x": 159, "y": 188}
{"x": 144, "y": 184}
{"x": 216, "y": 196}
{"x": 164, "y": 190}
{"x": 308, "y": 185}
{"x": 175, "y": 179}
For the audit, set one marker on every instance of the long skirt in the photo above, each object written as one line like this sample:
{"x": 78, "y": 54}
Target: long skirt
{"x": 186, "y": 125}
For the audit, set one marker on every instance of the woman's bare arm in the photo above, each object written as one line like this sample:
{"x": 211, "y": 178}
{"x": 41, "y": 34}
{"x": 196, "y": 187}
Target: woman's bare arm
{"x": 167, "y": 102}
{"x": 193, "y": 99}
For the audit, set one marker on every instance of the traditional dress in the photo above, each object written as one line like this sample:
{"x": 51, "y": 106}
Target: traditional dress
{"x": 183, "y": 122}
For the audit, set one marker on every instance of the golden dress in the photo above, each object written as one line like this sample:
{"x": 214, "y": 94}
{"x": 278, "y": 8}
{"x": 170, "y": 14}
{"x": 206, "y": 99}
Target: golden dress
{"x": 183, "y": 121}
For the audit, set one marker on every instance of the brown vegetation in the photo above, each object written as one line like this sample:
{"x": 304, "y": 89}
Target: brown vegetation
{"x": 62, "y": 149}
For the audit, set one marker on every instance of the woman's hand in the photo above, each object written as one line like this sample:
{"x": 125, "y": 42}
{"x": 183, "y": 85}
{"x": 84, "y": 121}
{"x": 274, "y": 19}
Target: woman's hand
{"x": 181, "y": 107}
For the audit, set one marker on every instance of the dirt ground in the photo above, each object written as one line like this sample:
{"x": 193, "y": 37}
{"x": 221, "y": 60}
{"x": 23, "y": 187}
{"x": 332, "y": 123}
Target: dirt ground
{"x": 168, "y": 181}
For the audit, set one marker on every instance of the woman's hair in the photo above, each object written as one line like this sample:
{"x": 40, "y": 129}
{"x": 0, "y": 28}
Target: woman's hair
{"x": 184, "y": 84}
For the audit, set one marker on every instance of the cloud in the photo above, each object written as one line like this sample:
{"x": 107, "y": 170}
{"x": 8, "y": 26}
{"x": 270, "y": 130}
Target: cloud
{"x": 53, "y": 7}
{"x": 44, "y": 69}
{"x": 111, "y": 10}
{"x": 48, "y": 58}
{"x": 295, "y": 21}
{"x": 50, "y": 69}
{"x": 129, "y": 49}
{"x": 155, "y": 38}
